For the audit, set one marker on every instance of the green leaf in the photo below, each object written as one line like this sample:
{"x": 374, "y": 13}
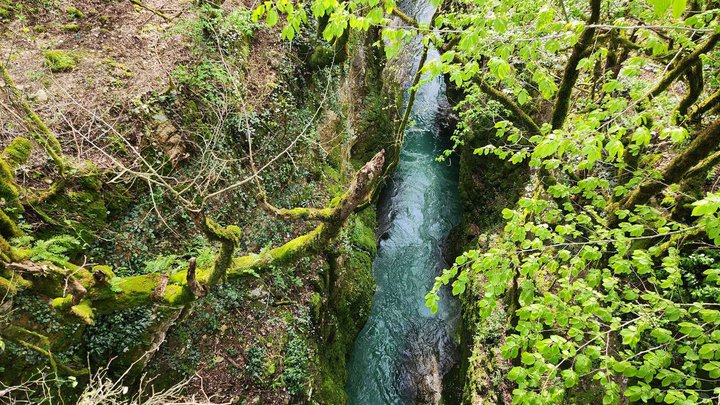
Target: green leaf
{"x": 288, "y": 32}
{"x": 570, "y": 378}
{"x": 678, "y": 7}
{"x": 583, "y": 364}
{"x": 527, "y": 359}
{"x": 258, "y": 12}
{"x": 523, "y": 97}
{"x": 272, "y": 17}
{"x": 517, "y": 374}
{"x": 660, "y": 6}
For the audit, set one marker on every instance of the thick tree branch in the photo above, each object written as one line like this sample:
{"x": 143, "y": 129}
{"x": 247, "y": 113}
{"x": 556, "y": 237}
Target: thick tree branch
{"x": 405, "y": 18}
{"x": 562, "y": 103}
{"x": 150, "y": 9}
{"x": 705, "y": 106}
{"x": 113, "y": 294}
{"x": 35, "y": 125}
{"x": 318, "y": 214}
{"x": 703, "y": 145}
{"x": 684, "y": 65}
{"x": 521, "y": 117}
{"x": 695, "y": 87}
{"x": 691, "y": 186}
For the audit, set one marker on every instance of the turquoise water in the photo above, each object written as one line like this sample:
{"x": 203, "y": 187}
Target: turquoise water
{"x": 403, "y": 346}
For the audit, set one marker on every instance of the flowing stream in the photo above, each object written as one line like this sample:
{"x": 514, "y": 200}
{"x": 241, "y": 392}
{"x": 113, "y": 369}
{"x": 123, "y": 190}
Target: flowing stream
{"x": 403, "y": 351}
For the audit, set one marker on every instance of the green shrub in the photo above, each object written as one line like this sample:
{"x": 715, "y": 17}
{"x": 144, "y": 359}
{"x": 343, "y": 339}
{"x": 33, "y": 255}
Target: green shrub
{"x": 57, "y": 249}
{"x": 296, "y": 374}
{"x": 256, "y": 364}
{"x": 117, "y": 333}
{"x": 7, "y": 9}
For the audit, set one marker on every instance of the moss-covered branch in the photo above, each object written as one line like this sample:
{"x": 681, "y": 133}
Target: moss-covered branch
{"x": 35, "y": 125}
{"x": 150, "y": 9}
{"x": 228, "y": 238}
{"x": 571, "y": 74}
{"x": 318, "y": 214}
{"x": 683, "y": 65}
{"x": 104, "y": 293}
{"x": 704, "y": 106}
{"x": 700, "y": 148}
{"x": 405, "y": 18}
{"x": 518, "y": 114}
{"x": 695, "y": 87}
{"x": 691, "y": 187}
{"x": 33, "y": 341}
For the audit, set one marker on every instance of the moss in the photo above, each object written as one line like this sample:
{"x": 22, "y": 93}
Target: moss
{"x": 60, "y": 61}
{"x": 39, "y": 28}
{"x": 70, "y": 28}
{"x": 6, "y": 252}
{"x": 8, "y": 189}
{"x": 7, "y": 9}
{"x": 79, "y": 213}
{"x": 63, "y": 302}
{"x": 316, "y": 305}
{"x": 232, "y": 232}
{"x": 375, "y": 130}
{"x": 363, "y": 237}
{"x": 176, "y": 295}
{"x": 89, "y": 176}
{"x": 125, "y": 292}
{"x": 348, "y": 310}
{"x": 8, "y": 228}
{"x": 74, "y": 13}
{"x": 289, "y": 250}
{"x": 7, "y": 288}
{"x": 106, "y": 270}
{"x": 17, "y": 152}
{"x": 322, "y": 56}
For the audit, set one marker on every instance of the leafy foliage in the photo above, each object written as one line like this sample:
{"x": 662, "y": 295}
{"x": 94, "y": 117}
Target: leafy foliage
{"x": 117, "y": 333}
{"x": 296, "y": 374}
{"x": 57, "y": 249}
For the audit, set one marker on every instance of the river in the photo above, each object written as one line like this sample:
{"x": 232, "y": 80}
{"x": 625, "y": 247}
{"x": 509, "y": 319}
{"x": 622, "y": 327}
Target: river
{"x": 403, "y": 350}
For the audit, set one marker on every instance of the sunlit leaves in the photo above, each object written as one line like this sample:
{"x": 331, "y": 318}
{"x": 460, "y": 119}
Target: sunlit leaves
{"x": 661, "y": 7}
{"x": 499, "y": 68}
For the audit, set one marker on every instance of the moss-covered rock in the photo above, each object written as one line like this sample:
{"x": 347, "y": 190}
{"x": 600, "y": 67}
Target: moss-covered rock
{"x": 74, "y": 13}
{"x": 58, "y": 60}
{"x": 71, "y": 27}
{"x": 348, "y": 309}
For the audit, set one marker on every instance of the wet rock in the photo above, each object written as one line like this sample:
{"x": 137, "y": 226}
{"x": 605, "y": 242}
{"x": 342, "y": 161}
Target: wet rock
{"x": 428, "y": 355}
